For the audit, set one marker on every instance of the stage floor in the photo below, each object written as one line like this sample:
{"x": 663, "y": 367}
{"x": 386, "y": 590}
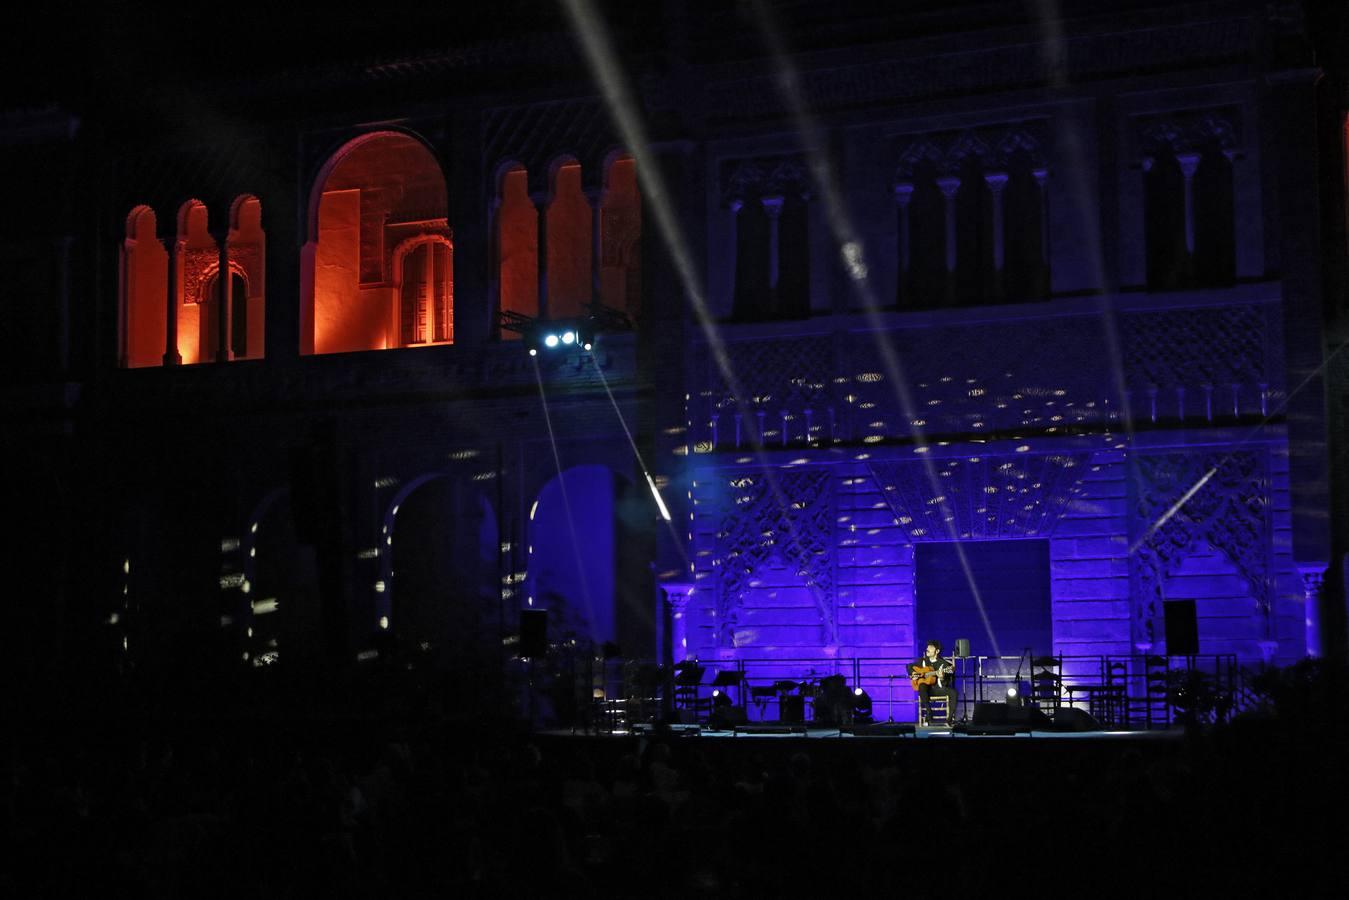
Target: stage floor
{"x": 877, "y": 733}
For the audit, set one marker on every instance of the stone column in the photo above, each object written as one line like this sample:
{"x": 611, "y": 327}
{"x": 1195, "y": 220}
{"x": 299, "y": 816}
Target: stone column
{"x": 222, "y": 312}
{"x": 949, "y": 187}
{"x": 171, "y": 355}
{"x": 677, "y": 594}
{"x": 1189, "y": 164}
{"x": 772, "y": 207}
{"x": 997, "y": 182}
{"x": 1041, "y": 177}
{"x": 541, "y": 199}
{"x": 596, "y": 200}
{"x": 903, "y": 197}
{"x": 1313, "y": 575}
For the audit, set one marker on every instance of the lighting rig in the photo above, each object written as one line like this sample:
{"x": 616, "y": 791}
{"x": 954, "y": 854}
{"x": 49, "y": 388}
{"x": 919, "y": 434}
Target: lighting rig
{"x": 579, "y": 333}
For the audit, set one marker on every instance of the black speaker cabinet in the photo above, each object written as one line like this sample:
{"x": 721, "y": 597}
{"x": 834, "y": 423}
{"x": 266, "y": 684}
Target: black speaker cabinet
{"x": 792, "y": 708}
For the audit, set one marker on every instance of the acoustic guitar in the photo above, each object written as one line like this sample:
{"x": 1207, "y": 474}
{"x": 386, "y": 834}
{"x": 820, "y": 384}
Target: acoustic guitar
{"x": 929, "y": 675}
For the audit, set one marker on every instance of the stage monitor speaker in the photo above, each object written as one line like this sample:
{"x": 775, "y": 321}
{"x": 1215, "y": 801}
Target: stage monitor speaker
{"x": 792, "y": 708}
{"x": 962, "y": 647}
{"x": 1182, "y": 628}
{"x": 1026, "y": 717}
{"x": 533, "y": 632}
{"x": 1070, "y": 719}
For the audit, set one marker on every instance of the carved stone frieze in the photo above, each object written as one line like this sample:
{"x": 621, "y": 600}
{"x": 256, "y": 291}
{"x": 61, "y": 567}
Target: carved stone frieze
{"x": 537, "y": 134}
{"x": 980, "y": 497}
{"x": 776, "y": 519}
{"x": 1192, "y": 347}
{"x": 995, "y": 147}
{"x": 1189, "y": 131}
{"x": 746, "y": 180}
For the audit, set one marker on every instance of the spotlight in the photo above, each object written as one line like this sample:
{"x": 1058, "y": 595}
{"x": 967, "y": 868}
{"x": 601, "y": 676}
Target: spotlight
{"x": 1011, "y": 693}
{"x": 550, "y": 341}
{"x": 587, "y": 345}
{"x": 533, "y": 351}
{"x": 861, "y": 707}
{"x": 568, "y": 337}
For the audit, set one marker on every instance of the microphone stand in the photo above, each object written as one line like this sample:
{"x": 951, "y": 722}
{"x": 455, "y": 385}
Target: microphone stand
{"x": 1021, "y": 700}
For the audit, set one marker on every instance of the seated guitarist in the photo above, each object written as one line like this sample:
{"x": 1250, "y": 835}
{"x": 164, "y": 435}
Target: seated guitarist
{"x": 933, "y": 674}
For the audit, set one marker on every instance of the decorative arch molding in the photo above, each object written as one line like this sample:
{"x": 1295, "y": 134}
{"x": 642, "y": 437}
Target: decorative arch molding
{"x": 995, "y": 147}
{"x": 202, "y": 267}
{"x": 776, "y": 520}
{"x": 340, "y": 152}
{"x": 1189, "y": 131}
{"x": 1179, "y": 499}
{"x": 743, "y": 180}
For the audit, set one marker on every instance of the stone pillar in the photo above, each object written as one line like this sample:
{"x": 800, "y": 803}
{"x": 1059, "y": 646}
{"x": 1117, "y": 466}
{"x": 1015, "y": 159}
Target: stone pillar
{"x": 677, "y": 594}
{"x": 1313, "y": 576}
{"x": 1189, "y": 164}
{"x": 949, "y": 187}
{"x": 222, "y": 312}
{"x": 171, "y": 355}
{"x": 997, "y": 182}
{"x": 903, "y": 197}
{"x": 772, "y": 207}
{"x": 596, "y": 200}
{"x": 541, "y": 200}
{"x": 1042, "y": 179}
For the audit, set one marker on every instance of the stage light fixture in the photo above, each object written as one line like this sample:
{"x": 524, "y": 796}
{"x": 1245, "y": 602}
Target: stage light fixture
{"x": 1011, "y": 693}
{"x": 533, "y": 351}
{"x": 568, "y": 337}
{"x": 550, "y": 341}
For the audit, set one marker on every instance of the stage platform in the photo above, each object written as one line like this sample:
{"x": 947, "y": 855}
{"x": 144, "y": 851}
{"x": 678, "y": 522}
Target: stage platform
{"x": 878, "y": 732}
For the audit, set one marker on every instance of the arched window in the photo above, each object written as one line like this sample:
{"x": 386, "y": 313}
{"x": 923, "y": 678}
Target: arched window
{"x": 1164, "y": 221}
{"x": 198, "y": 258}
{"x": 621, "y": 239}
{"x": 769, "y": 204}
{"x": 568, "y": 244}
{"x": 247, "y": 254}
{"x": 517, "y": 246}
{"x": 424, "y": 275}
{"x": 375, "y": 193}
{"x": 144, "y": 292}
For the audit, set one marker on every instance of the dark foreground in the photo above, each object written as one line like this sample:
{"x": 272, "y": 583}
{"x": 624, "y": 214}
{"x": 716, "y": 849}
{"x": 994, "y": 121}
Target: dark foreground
{"x": 403, "y": 795}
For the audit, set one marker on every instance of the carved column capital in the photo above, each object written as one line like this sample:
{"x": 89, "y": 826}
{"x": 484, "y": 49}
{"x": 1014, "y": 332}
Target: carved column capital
{"x": 949, "y": 185}
{"x": 996, "y": 181}
{"x": 903, "y": 193}
{"x": 772, "y": 205}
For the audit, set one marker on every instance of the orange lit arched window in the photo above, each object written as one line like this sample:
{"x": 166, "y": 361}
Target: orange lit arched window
{"x": 569, "y": 234}
{"x": 375, "y": 194}
{"x": 144, "y": 298}
{"x": 198, "y": 258}
{"x": 517, "y": 246}
{"x": 621, "y": 239}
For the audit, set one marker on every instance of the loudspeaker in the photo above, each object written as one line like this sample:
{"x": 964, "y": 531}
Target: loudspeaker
{"x": 533, "y": 632}
{"x": 724, "y": 718}
{"x": 792, "y": 708}
{"x": 1182, "y": 628}
{"x": 1070, "y": 719}
{"x": 1025, "y": 717}
{"x": 962, "y": 647}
